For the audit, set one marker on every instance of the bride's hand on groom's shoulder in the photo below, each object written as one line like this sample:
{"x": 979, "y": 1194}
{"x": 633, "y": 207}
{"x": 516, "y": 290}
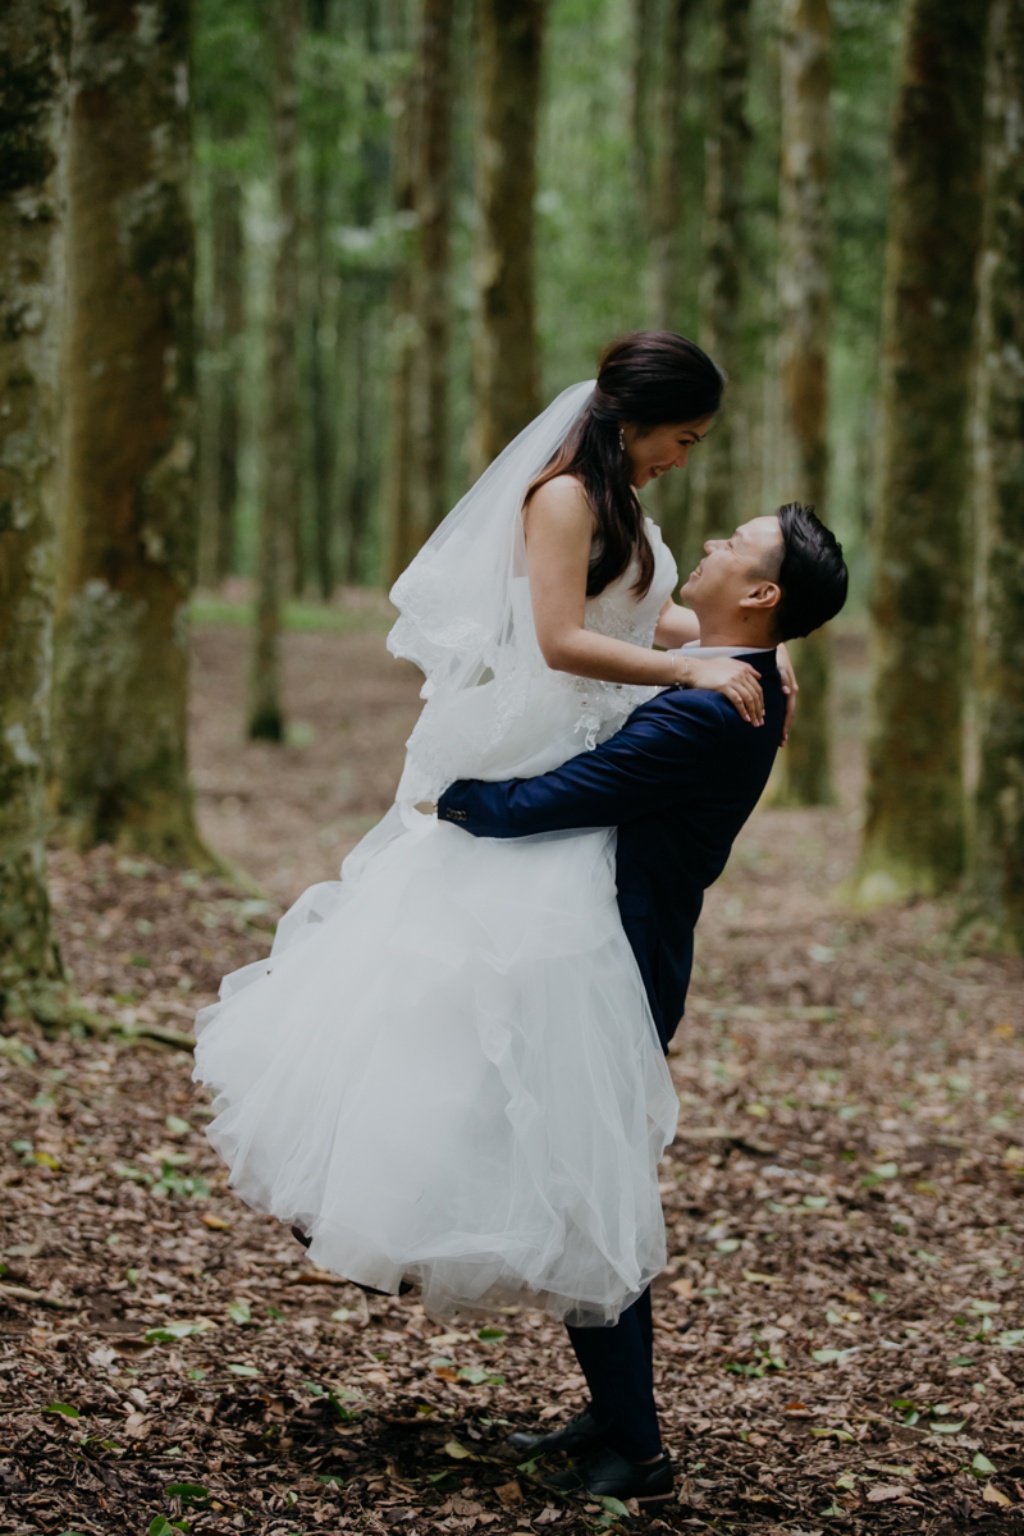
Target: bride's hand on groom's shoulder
{"x": 790, "y": 688}
{"x": 735, "y": 680}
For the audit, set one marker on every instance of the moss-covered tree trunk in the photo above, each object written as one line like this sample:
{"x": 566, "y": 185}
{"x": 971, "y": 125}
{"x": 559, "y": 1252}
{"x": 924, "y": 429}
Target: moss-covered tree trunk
{"x": 804, "y": 294}
{"x": 366, "y": 294}
{"x": 643, "y": 41}
{"x": 666, "y": 212}
{"x": 35, "y": 50}
{"x": 404, "y": 342}
{"x": 434, "y": 208}
{"x": 998, "y": 851}
{"x": 322, "y": 401}
{"x": 724, "y": 235}
{"x": 281, "y": 484}
{"x": 419, "y": 483}
{"x": 507, "y": 370}
{"x": 913, "y": 834}
{"x": 127, "y": 502}
{"x": 221, "y": 426}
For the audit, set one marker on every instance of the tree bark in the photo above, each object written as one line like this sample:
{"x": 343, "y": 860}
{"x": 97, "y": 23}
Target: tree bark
{"x": 403, "y": 342}
{"x": 724, "y": 254}
{"x": 323, "y": 404}
{"x": 127, "y": 518}
{"x": 643, "y": 16}
{"x": 424, "y": 186}
{"x": 805, "y": 302}
{"x": 434, "y": 206}
{"x": 667, "y": 204}
{"x": 281, "y": 481}
{"x": 998, "y": 848}
{"x": 35, "y": 49}
{"x": 220, "y": 430}
{"x": 914, "y": 832}
{"x": 369, "y": 304}
{"x": 507, "y": 372}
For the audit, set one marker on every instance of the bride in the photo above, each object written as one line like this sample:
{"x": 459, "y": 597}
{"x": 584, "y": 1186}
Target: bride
{"x": 446, "y": 1072}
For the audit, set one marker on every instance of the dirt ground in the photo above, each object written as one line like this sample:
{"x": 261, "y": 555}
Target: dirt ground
{"x": 840, "y": 1329}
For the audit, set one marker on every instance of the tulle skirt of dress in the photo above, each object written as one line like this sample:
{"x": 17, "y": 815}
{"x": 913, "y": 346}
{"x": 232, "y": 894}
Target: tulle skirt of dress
{"x": 447, "y": 1072}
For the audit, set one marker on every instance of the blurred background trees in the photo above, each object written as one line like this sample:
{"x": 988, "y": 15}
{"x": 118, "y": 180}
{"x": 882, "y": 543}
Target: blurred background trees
{"x": 325, "y": 258}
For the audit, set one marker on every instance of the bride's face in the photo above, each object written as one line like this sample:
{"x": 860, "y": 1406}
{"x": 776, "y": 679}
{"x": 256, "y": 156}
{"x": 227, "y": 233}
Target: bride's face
{"x": 652, "y": 453}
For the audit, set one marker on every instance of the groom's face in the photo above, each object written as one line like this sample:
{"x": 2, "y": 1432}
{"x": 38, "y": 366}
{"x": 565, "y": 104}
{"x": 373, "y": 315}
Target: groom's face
{"x": 733, "y": 568}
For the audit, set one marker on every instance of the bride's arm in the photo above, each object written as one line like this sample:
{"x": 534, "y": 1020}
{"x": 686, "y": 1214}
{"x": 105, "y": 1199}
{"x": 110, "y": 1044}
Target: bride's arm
{"x": 676, "y": 626}
{"x": 559, "y": 528}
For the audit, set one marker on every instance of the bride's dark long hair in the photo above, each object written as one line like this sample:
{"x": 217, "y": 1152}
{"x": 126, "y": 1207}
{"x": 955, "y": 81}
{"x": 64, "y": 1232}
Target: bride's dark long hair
{"x": 649, "y": 378}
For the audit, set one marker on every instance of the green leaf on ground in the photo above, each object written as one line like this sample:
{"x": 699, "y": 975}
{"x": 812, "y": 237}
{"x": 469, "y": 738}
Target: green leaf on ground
{"x": 188, "y": 1493}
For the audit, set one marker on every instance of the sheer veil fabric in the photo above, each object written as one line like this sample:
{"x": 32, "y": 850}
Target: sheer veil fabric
{"x": 446, "y": 1070}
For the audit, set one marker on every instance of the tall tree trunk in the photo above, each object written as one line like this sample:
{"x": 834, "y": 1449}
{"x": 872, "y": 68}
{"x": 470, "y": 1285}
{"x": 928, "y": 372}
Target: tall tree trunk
{"x": 229, "y": 295}
{"x": 913, "y": 835}
{"x": 434, "y": 204}
{"x": 805, "y": 293}
{"x": 322, "y": 403}
{"x": 507, "y": 371}
{"x": 281, "y": 481}
{"x": 35, "y": 49}
{"x": 671, "y": 497}
{"x": 363, "y": 331}
{"x": 420, "y": 483}
{"x": 667, "y": 203}
{"x": 643, "y": 18}
{"x": 998, "y": 852}
{"x": 220, "y": 428}
{"x": 724, "y": 254}
{"x": 404, "y": 342}
{"x": 127, "y": 518}
{"x": 368, "y": 305}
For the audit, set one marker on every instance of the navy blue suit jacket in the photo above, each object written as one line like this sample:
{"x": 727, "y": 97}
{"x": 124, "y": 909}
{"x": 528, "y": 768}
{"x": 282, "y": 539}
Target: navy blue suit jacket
{"x": 678, "y": 780}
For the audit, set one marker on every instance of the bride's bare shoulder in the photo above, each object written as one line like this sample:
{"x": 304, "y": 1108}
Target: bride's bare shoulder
{"x": 559, "y": 502}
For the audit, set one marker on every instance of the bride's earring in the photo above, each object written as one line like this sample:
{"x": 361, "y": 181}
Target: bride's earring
{"x": 622, "y": 438}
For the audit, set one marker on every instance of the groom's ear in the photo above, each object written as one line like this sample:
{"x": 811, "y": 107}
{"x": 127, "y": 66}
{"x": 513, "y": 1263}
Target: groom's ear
{"x": 764, "y": 596}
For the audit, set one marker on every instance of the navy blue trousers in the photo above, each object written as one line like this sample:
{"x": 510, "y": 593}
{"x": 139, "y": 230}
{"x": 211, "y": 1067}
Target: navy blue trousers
{"x": 618, "y": 1364}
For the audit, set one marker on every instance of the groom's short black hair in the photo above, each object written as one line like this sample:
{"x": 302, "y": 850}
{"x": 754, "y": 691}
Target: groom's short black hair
{"x": 812, "y": 576}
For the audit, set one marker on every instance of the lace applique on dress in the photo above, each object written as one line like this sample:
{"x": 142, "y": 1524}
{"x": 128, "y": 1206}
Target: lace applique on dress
{"x": 524, "y": 718}
{"x": 619, "y": 614}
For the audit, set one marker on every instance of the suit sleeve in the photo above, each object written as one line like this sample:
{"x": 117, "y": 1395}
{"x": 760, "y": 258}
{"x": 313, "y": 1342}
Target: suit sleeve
{"x": 659, "y": 758}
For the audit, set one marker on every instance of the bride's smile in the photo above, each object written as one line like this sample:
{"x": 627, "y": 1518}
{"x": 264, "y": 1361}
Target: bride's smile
{"x": 653, "y": 452}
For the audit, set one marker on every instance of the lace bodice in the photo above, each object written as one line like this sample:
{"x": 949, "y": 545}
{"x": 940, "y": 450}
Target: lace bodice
{"x": 620, "y": 614}
{"x": 526, "y": 718}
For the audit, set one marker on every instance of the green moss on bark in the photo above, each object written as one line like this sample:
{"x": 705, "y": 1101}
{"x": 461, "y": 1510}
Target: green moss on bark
{"x": 914, "y": 830}
{"x": 34, "y": 54}
{"x": 997, "y": 864}
{"x": 128, "y": 520}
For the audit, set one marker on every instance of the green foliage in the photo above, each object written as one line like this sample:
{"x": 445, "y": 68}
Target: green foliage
{"x": 592, "y": 244}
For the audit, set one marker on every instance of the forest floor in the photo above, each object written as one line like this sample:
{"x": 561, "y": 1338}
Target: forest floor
{"x": 840, "y": 1329}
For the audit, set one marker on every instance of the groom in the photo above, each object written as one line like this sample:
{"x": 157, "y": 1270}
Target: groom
{"x": 678, "y": 780}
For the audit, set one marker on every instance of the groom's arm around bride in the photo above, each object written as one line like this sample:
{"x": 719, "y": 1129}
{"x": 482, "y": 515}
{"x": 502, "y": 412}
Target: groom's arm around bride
{"x": 684, "y": 773}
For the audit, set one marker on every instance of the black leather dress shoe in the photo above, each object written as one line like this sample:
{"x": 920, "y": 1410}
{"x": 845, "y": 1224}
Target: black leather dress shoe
{"x": 607, "y": 1475}
{"x": 577, "y": 1438}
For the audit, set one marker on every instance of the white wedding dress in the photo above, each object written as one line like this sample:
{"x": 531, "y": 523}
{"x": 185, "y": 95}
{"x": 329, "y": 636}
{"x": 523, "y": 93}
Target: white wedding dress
{"x": 447, "y": 1070}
